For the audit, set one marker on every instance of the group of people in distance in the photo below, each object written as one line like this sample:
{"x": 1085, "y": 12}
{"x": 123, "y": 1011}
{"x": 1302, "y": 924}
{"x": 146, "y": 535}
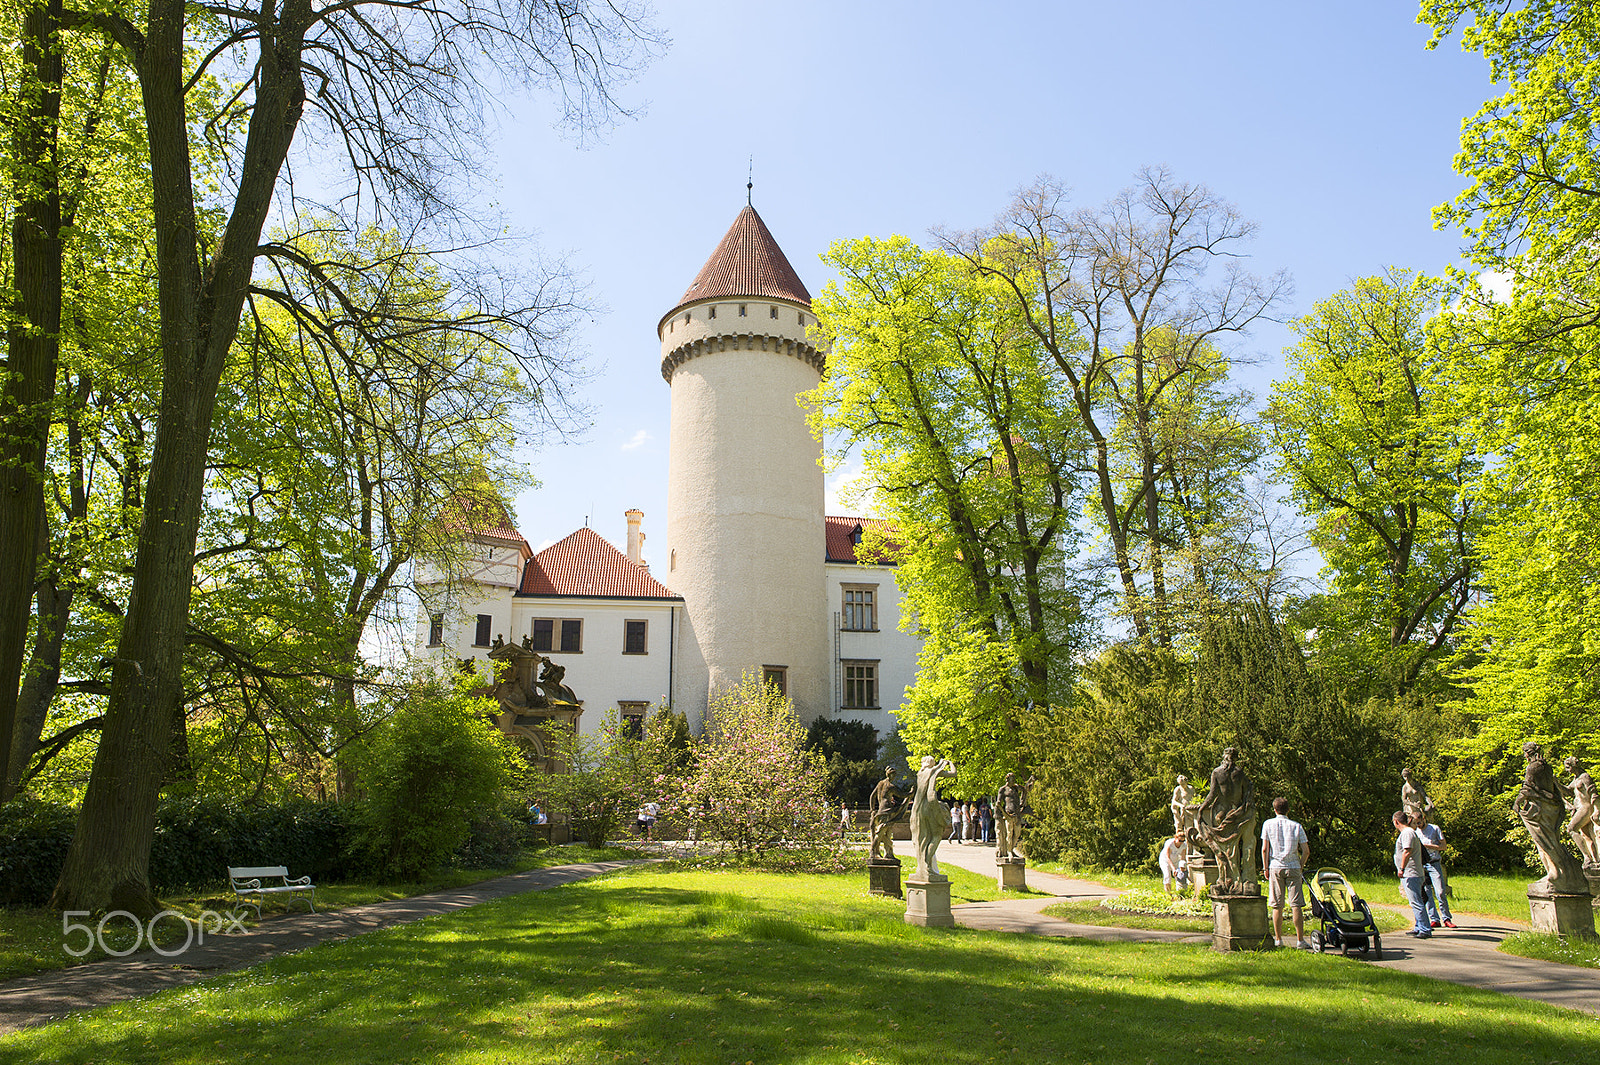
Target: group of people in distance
{"x": 971, "y": 822}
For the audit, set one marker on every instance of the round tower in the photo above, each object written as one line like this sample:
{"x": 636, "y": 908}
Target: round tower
{"x": 745, "y": 537}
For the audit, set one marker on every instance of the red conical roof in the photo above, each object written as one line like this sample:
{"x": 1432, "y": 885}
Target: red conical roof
{"x": 748, "y": 262}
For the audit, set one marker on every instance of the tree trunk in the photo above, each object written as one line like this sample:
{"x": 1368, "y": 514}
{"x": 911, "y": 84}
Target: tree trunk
{"x": 109, "y": 860}
{"x": 33, "y": 346}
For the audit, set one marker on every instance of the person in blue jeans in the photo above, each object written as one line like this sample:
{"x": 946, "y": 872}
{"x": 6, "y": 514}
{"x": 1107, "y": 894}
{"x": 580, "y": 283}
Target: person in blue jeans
{"x": 1409, "y": 864}
{"x": 1434, "y": 885}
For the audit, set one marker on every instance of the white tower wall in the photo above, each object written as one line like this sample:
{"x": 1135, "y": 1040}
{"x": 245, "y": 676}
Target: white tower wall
{"x": 746, "y": 543}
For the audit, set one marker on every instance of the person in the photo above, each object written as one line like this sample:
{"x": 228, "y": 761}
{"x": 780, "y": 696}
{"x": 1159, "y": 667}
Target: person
{"x": 1284, "y": 852}
{"x": 1408, "y": 864}
{"x": 930, "y": 818}
{"x": 1174, "y": 869}
{"x": 969, "y": 825}
{"x": 955, "y": 821}
{"x": 985, "y": 821}
{"x": 1434, "y": 887}
{"x": 536, "y": 816}
{"x": 1009, "y": 803}
{"x": 647, "y": 819}
{"x": 844, "y": 819}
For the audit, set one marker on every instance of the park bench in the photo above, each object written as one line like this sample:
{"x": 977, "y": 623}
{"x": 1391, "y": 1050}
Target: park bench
{"x": 251, "y": 882}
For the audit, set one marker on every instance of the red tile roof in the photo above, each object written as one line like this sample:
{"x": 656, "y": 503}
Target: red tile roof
{"x": 485, "y": 519}
{"x": 841, "y": 532}
{"x": 748, "y": 262}
{"x": 584, "y": 564}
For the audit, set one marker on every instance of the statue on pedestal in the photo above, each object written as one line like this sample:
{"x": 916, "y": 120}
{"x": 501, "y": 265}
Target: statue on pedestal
{"x": 1538, "y": 802}
{"x": 882, "y": 809}
{"x": 1010, "y": 803}
{"x": 930, "y": 818}
{"x": 1225, "y": 825}
{"x": 1182, "y": 815}
{"x": 1582, "y": 826}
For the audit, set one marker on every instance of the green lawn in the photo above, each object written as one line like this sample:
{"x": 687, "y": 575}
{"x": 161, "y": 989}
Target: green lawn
{"x": 658, "y": 965}
{"x": 1501, "y": 897}
{"x": 31, "y": 939}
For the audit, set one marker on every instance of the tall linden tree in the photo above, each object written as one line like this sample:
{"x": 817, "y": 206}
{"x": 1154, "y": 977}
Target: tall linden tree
{"x": 1527, "y": 362}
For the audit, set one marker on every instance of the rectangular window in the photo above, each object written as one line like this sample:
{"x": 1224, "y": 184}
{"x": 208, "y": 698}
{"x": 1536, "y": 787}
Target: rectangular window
{"x": 572, "y": 636}
{"x": 481, "y": 637}
{"x": 860, "y": 607}
{"x": 633, "y": 637}
{"x": 632, "y": 716}
{"x": 776, "y": 677}
{"x": 860, "y": 685}
{"x": 542, "y": 630}
{"x": 435, "y": 630}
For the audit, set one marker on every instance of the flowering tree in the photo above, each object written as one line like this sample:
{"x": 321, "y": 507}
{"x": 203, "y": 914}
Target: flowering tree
{"x": 751, "y": 782}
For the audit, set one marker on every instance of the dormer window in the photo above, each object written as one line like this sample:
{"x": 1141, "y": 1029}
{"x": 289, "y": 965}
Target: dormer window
{"x": 855, "y": 536}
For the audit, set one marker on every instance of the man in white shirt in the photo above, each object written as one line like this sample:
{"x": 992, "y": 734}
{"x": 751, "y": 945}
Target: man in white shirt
{"x": 1409, "y": 864}
{"x": 1284, "y": 850}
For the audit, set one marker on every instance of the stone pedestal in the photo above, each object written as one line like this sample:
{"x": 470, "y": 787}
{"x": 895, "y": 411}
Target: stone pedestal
{"x": 883, "y": 876}
{"x": 1564, "y": 915}
{"x": 1240, "y": 923}
{"x": 1202, "y": 871}
{"x": 1012, "y": 873}
{"x": 928, "y": 903}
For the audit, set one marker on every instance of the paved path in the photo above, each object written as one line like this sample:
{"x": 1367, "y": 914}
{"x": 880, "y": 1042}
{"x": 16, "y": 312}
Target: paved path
{"x": 1463, "y": 955}
{"x": 48, "y": 996}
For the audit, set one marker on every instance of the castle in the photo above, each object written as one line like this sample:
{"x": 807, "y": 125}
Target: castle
{"x": 757, "y": 580}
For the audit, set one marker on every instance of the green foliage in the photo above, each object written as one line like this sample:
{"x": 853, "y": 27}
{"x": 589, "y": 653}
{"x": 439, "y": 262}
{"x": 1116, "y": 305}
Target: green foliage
{"x": 610, "y": 774}
{"x": 1107, "y": 761}
{"x": 849, "y": 753}
{"x": 433, "y": 768}
{"x": 196, "y": 840}
{"x": 972, "y": 451}
{"x": 1368, "y": 436}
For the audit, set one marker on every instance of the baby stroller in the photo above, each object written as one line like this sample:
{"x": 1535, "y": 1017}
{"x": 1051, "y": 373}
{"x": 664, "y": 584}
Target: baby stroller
{"x": 1345, "y": 917}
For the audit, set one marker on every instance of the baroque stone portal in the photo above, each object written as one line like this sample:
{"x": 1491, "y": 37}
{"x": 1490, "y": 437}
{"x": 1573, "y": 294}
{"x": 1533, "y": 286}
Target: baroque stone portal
{"x": 531, "y": 692}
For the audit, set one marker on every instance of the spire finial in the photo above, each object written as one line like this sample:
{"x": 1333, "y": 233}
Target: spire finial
{"x": 750, "y": 183}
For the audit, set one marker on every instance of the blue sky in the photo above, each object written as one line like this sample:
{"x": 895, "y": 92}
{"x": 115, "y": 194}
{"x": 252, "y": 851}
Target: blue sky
{"x": 1329, "y": 125}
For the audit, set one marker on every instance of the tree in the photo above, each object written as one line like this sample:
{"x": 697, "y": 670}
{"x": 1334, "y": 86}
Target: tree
{"x": 392, "y": 85}
{"x": 1367, "y": 437}
{"x": 849, "y": 753}
{"x": 752, "y": 784}
{"x": 1124, "y": 302}
{"x": 1526, "y": 368}
{"x": 973, "y": 458}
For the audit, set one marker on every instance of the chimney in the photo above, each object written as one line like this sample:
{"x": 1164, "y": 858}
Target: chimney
{"x": 635, "y": 537}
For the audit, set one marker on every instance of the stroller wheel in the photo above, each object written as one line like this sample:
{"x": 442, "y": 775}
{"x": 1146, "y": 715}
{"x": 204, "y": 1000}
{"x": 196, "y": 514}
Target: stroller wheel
{"x": 1377, "y": 947}
{"x": 1319, "y": 942}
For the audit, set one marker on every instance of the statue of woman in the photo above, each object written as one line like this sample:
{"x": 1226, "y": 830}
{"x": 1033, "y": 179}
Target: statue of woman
{"x": 1539, "y": 804}
{"x": 930, "y": 818}
{"x": 1225, "y": 825}
{"x": 1584, "y": 800}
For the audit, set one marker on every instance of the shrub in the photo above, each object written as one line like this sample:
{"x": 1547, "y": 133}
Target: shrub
{"x": 433, "y": 768}
{"x": 752, "y": 784}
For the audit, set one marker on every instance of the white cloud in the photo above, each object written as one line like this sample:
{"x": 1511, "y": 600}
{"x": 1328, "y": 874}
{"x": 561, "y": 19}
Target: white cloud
{"x": 846, "y": 491}
{"x": 639, "y": 439}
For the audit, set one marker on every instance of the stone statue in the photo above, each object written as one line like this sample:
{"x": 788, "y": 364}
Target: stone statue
{"x": 1538, "y": 802}
{"x": 1582, "y": 826}
{"x": 882, "y": 810}
{"x": 550, "y": 678}
{"x": 1225, "y": 826}
{"x": 1413, "y": 800}
{"x": 930, "y": 818}
{"x": 1182, "y": 815}
{"x": 1010, "y": 803}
